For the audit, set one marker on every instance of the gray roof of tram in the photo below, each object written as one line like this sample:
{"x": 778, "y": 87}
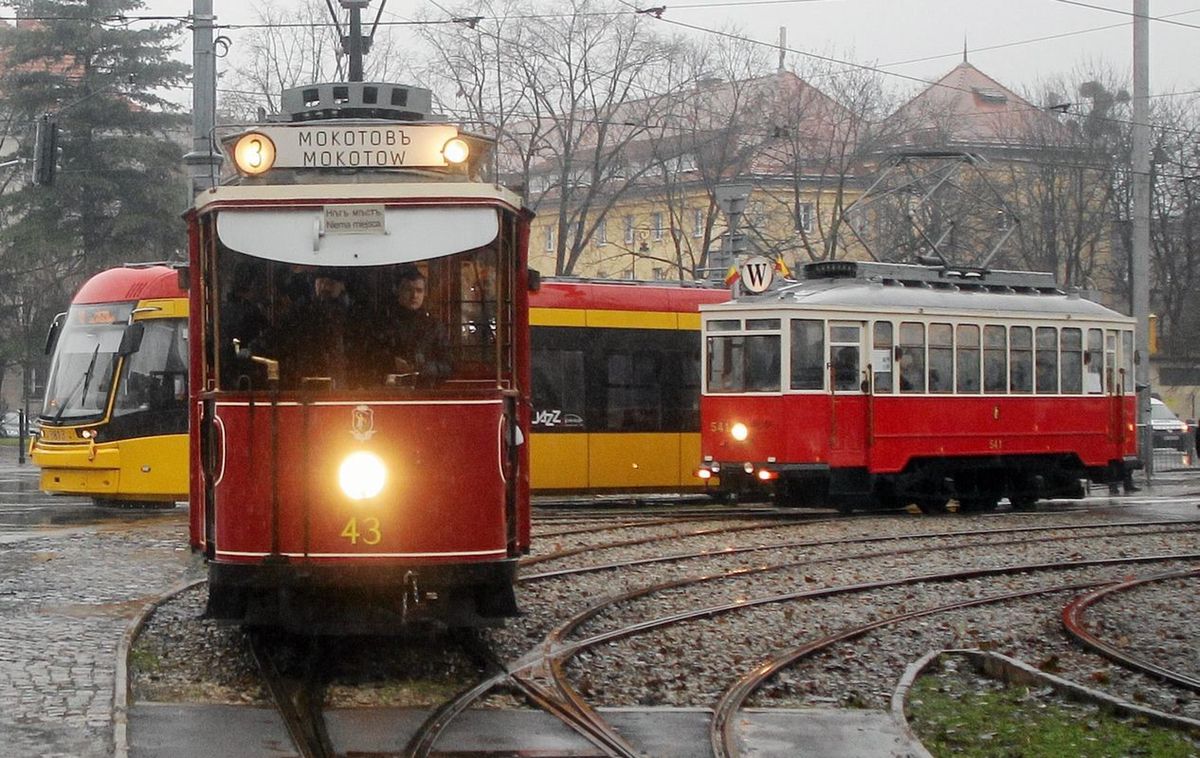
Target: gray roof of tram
{"x": 884, "y": 295}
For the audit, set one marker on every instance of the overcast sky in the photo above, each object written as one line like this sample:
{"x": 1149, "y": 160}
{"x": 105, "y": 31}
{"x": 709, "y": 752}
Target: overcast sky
{"x": 890, "y": 32}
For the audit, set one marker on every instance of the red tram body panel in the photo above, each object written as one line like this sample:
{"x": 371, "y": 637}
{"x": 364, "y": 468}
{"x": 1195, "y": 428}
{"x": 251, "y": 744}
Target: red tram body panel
{"x": 884, "y": 384}
{"x": 361, "y": 362}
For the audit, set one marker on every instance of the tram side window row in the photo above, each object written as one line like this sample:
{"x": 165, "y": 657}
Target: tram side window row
{"x": 912, "y": 357}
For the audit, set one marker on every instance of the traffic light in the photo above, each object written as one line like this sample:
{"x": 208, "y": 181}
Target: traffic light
{"x": 45, "y": 151}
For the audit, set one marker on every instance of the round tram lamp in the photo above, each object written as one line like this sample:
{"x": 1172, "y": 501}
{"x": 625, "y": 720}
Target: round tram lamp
{"x": 456, "y": 150}
{"x": 739, "y": 432}
{"x": 254, "y": 153}
{"x": 362, "y": 475}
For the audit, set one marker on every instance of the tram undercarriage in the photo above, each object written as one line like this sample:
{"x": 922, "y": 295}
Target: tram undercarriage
{"x": 976, "y": 483}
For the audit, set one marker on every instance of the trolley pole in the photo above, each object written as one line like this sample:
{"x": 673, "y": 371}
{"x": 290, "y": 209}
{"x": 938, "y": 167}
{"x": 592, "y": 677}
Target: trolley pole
{"x": 203, "y": 161}
{"x": 1140, "y": 252}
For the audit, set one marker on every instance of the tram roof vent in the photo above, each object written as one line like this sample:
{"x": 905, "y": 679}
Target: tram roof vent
{"x": 930, "y": 276}
{"x": 329, "y": 100}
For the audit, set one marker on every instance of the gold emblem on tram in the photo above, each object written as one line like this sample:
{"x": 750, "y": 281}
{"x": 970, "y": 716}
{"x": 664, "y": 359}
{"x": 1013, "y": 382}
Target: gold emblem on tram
{"x": 362, "y": 423}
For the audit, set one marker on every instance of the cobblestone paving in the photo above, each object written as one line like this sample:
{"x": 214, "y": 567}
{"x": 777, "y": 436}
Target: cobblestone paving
{"x": 66, "y": 597}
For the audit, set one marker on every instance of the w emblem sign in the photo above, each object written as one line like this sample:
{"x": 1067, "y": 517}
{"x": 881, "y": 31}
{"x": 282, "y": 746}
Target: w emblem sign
{"x": 757, "y": 273}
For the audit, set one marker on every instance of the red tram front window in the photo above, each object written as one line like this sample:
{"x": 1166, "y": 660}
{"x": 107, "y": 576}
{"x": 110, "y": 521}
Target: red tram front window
{"x": 744, "y": 362}
{"x": 808, "y": 354}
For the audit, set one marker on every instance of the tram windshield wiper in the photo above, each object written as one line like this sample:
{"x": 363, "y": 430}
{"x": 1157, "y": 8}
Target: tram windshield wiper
{"x": 83, "y": 386}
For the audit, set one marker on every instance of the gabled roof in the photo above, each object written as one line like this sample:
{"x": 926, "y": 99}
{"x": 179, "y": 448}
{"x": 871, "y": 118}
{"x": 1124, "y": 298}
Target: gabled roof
{"x": 968, "y": 107}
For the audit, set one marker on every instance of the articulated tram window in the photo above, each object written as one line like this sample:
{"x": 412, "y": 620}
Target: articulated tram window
{"x": 559, "y": 393}
{"x": 808, "y": 354}
{"x": 633, "y": 396}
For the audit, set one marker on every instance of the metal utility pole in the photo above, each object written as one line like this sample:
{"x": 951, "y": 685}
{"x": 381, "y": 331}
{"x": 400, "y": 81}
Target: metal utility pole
{"x": 203, "y": 161}
{"x": 1140, "y": 252}
{"x": 354, "y": 44}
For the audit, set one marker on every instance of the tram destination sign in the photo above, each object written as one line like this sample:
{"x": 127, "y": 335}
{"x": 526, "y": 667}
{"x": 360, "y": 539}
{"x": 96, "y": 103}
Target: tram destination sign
{"x": 359, "y": 145}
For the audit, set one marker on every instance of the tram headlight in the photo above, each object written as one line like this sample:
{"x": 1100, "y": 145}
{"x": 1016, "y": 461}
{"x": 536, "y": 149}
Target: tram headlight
{"x": 456, "y": 150}
{"x": 739, "y": 432}
{"x": 362, "y": 475}
{"x": 254, "y": 153}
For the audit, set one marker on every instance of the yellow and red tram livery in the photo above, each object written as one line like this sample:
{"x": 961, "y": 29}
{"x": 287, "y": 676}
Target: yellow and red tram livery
{"x": 114, "y": 420}
{"x": 873, "y": 383}
{"x": 358, "y": 461}
{"x": 616, "y": 386}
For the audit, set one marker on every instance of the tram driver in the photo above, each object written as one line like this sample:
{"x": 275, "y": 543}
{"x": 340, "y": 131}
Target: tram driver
{"x": 415, "y": 343}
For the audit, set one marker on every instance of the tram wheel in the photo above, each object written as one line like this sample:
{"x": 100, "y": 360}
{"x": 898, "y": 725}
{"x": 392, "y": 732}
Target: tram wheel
{"x": 932, "y": 504}
{"x": 977, "y": 504}
{"x": 1022, "y": 502}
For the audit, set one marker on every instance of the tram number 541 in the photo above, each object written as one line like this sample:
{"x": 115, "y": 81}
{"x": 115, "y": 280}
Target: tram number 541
{"x": 365, "y": 530}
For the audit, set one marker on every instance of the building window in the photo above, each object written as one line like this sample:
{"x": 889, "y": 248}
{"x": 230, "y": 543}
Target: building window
{"x": 660, "y": 273}
{"x": 697, "y": 222}
{"x": 602, "y": 233}
{"x": 629, "y": 230}
{"x": 804, "y": 217}
{"x": 628, "y": 274}
{"x": 549, "y": 245}
{"x": 656, "y": 223}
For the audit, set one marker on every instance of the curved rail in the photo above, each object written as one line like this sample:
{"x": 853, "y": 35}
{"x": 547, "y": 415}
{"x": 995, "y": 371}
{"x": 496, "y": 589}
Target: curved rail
{"x": 1072, "y": 619}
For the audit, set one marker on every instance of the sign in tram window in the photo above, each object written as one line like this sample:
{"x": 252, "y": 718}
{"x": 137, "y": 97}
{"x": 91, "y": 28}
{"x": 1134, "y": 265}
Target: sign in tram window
{"x": 995, "y": 360}
{"x": 1021, "y": 363}
{"x": 967, "y": 359}
{"x": 941, "y": 358}
{"x": 1093, "y": 362}
{"x": 911, "y": 357}
{"x": 1072, "y": 361}
{"x": 808, "y": 354}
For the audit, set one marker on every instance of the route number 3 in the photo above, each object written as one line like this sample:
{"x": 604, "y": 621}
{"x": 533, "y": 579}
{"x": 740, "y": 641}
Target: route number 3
{"x": 366, "y": 530}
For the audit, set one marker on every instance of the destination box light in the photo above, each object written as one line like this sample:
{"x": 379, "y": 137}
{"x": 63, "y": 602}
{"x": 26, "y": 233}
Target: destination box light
{"x": 348, "y": 146}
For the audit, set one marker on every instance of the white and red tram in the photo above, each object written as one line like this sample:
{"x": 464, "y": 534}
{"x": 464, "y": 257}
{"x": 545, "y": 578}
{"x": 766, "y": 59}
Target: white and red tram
{"x": 340, "y": 476}
{"x": 883, "y": 384}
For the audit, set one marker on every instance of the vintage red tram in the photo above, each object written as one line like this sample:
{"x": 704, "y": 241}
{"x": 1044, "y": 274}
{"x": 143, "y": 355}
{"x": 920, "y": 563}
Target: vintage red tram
{"x": 883, "y": 384}
{"x": 360, "y": 362}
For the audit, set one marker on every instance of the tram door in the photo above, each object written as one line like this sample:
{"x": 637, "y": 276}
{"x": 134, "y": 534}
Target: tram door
{"x": 848, "y": 411}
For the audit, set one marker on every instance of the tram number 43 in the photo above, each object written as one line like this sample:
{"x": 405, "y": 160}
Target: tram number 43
{"x": 365, "y": 530}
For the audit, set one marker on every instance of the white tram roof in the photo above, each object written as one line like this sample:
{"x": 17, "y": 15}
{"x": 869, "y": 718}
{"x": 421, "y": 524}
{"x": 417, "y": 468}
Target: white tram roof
{"x": 410, "y": 221}
{"x": 865, "y": 287}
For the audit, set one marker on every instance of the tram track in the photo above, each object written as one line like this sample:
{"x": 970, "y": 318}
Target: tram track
{"x": 297, "y": 698}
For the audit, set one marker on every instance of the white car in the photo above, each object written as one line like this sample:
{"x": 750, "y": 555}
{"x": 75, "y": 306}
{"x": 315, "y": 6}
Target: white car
{"x": 1169, "y": 431}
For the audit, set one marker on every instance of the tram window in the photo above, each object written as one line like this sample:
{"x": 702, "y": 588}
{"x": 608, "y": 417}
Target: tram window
{"x": 911, "y": 354}
{"x": 967, "y": 358}
{"x": 759, "y": 324}
{"x": 808, "y": 354}
{"x": 1072, "y": 361}
{"x": 1021, "y": 362}
{"x": 559, "y": 394}
{"x": 633, "y": 396}
{"x": 941, "y": 358}
{"x": 155, "y": 377}
{"x": 747, "y": 363}
{"x": 1093, "y": 362}
{"x": 995, "y": 360}
{"x": 1110, "y": 362}
{"x": 1127, "y": 348}
{"x": 1046, "y": 360}
{"x": 724, "y": 325}
{"x": 844, "y": 343}
{"x": 881, "y": 356}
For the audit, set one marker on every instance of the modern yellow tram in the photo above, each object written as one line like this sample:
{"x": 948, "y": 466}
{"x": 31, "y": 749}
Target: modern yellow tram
{"x": 114, "y": 420}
